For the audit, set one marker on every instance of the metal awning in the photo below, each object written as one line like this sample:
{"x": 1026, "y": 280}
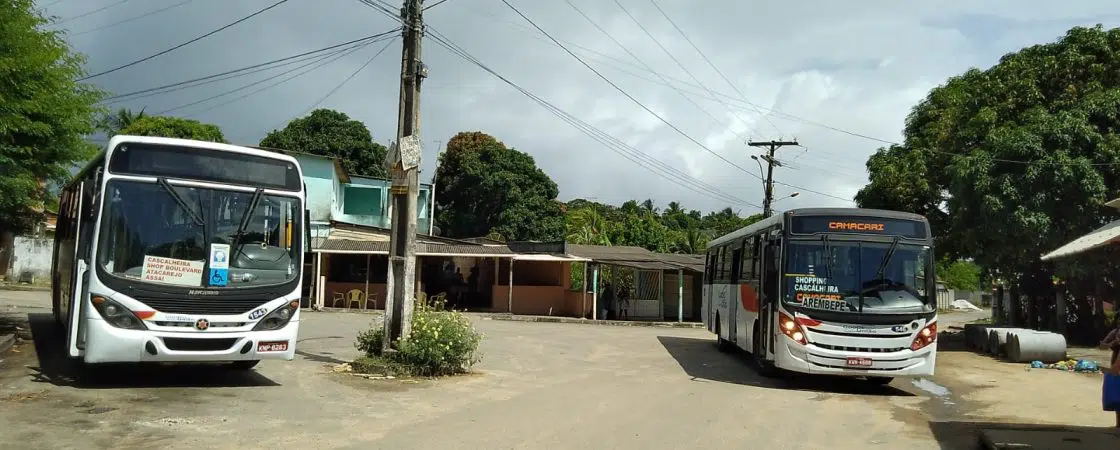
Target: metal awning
{"x": 547, "y": 257}
{"x": 1098, "y": 238}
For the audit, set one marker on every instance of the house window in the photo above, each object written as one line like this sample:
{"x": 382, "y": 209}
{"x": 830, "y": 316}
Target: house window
{"x": 422, "y": 205}
{"x": 361, "y": 201}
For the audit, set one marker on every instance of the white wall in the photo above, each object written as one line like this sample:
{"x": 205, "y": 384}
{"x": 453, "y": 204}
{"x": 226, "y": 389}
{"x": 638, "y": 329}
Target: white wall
{"x": 31, "y": 255}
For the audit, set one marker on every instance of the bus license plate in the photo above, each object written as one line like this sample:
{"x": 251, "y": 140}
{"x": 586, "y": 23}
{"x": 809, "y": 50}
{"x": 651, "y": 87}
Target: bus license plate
{"x": 859, "y": 362}
{"x": 272, "y": 346}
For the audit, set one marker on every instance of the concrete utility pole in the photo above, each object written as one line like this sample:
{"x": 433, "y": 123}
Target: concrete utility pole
{"x": 403, "y": 161}
{"x": 770, "y": 163}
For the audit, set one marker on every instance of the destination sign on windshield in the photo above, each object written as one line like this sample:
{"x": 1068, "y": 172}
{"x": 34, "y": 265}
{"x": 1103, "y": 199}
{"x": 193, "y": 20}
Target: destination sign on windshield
{"x": 858, "y": 225}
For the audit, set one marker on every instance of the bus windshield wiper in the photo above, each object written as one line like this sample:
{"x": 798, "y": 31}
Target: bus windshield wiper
{"x": 887, "y": 259}
{"x": 195, "y": 217}
{"x": 245, "y": 216}
{"x": 827, "y": 257}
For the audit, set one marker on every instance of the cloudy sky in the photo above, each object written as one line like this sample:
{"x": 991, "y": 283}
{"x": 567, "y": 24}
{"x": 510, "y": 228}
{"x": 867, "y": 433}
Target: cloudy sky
{"x": 839, "y": 77}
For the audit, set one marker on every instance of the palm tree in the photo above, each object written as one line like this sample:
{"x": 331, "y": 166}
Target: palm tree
{"x": 648, "y": 206}
{"x": 113, "y": 123}
{"x": 587, "y": 226}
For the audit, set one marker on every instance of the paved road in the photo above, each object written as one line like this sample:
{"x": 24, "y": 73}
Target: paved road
{"x": 540, "y": 385}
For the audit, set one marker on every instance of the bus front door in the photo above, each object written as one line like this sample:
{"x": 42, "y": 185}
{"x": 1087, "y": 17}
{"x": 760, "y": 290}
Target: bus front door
{"x": 766, "y": 310}
{"x": 734, "y": 302}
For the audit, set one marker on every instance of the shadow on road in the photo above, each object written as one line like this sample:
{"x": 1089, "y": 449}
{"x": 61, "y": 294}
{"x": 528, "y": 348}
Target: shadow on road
{"x": 968, "y": 435}
{"x": 703, "y": 362}
{"x": 56, "y": 367}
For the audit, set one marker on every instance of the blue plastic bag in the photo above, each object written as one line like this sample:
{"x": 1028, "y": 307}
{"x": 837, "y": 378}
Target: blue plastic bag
{"x": 1084, "y": 365}
{"x": 1037, "y": 365}
{"x": 1111, "y": 394}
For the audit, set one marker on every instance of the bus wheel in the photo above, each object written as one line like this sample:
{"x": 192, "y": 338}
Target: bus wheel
{"x": 765, "y": 368}
{"x": 882, "y": 381}
{"x": 243, "y": 365}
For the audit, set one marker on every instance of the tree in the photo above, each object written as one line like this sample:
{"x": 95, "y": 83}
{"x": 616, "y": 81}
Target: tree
{"x": 1019, "y": 157}
{"x": 487, "y": 187}
{"x": 960, "y": 275}
{"x": 174, "y": 127}
{"x": 112, "y": 123}
{"x": 44, "y": 113}
{"x": 333, "y": 134}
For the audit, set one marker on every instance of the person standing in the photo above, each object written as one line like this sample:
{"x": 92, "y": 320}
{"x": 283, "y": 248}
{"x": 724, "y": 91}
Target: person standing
{"x": 1111, "y": 389}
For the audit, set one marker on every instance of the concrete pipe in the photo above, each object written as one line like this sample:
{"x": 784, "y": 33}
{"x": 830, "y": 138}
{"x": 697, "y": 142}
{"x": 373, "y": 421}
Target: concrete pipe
{"x": 997, "y": 338}
{"x": 1038, "y": 346}
{"x": 976, "y": 336}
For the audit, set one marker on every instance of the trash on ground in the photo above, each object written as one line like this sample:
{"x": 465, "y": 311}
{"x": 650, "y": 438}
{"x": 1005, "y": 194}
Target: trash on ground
{"x": 964, "y": 305}
{"x": 1080, "y": 365}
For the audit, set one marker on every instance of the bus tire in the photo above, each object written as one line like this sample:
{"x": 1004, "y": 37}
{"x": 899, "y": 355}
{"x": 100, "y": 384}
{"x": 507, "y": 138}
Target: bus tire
{"x": 243, "y": 365}
{"x": 881, "y": 381}
{"x": 764, "y": 367}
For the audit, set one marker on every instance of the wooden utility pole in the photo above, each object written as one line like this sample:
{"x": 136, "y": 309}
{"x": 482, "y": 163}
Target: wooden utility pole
{"x": 770, "y": 163}
{"x": 403, "y": 161}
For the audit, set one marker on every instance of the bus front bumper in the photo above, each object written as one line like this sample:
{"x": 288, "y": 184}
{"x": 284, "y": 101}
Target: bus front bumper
{"x": 108, "y": 344}
{"x": 815, "y": 360}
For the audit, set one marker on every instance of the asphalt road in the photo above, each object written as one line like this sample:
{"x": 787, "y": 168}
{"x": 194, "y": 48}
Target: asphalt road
{"x": 540, "y": 385}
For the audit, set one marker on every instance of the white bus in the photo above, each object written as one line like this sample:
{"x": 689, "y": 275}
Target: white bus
{"x": 173, "y": 250}
{"x": 837, "y": 291}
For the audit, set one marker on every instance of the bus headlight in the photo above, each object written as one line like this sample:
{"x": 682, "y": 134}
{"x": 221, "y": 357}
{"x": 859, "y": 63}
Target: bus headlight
{"x": 278, "y": 318}
{"x": 925, "y": 337}
{"x": 119, "y": 316}
{"x": 791, "y": 328}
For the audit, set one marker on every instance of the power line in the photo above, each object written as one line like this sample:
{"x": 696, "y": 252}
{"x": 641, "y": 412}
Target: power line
{"x": 659, "y": 168}
{"x": 433, "y": 5}
{"x": 199, "y": 38}
{"x": 247, "y": 70}
{"x": 712, "y": 65}
{"x": 347, "y": 80}
{"x": 678, "y": 62}
{"x": 111, "y": 25}
{"x": 79, "y": 16}
{"x": 627, "y": 94}
{"x": 639, "y": 60}
{"x": 318, "y": 62}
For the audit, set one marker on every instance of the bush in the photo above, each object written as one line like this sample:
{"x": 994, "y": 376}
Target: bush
{"x": 440, "y": 343}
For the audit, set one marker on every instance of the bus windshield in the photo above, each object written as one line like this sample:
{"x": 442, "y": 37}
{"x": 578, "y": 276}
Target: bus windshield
{"x": 859, "y": 277}
{"x": 164, "y": 234}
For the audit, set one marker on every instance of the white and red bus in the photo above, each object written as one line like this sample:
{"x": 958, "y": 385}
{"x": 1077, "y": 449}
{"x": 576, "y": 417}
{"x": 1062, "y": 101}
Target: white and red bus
{"x": 173, "y": 250}
{"x": 837, "y": 291}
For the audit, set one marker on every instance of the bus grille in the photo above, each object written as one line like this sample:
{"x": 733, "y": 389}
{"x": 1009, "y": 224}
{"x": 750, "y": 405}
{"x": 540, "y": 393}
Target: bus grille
{"x": 202, "y": 306}
{"x": 860, "y": 349}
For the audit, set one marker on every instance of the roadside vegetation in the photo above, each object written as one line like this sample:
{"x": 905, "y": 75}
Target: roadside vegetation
{"x": 442, "y": 342}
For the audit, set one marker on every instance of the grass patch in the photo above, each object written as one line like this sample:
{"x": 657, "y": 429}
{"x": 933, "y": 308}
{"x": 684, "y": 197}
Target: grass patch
{"x": 376, "y": 365}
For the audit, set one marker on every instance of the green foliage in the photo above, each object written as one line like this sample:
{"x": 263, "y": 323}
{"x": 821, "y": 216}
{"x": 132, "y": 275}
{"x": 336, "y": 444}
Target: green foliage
{"x": 1055, "y": 106}
{"x": 643, "y": 225}
{"x": 112, "y": 123}
{"x": 333, "y": 134}
{"x": 1015, "y": 160}
{"x": 960, "y": 275}
{"x": 485, "y": 188}
{"x": 440, "y": 343}
{"x": 173, "y": 127}
{"x": 44, "y": 113}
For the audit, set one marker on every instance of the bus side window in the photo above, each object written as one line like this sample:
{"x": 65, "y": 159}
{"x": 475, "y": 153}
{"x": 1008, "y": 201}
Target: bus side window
{"x": 750, "y": 259}
{"x": 770, "y": 269}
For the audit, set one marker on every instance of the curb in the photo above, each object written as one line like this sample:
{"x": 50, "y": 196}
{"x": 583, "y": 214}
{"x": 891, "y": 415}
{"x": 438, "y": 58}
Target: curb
{"x": 617, "y": 323}
{"x": 6, "y": 342}
{"x": 19, "y": 287}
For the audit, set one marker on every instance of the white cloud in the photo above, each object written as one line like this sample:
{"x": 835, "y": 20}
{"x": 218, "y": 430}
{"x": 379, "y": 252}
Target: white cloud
{"x": 857, "y": 66}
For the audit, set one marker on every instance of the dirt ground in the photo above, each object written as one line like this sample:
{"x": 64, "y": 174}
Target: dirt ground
{"x": 540, "y": 385}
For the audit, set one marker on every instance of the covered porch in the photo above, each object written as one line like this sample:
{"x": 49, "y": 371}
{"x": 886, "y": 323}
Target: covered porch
{"x": 348, "y": 270}
{"x": 656, "y": 286}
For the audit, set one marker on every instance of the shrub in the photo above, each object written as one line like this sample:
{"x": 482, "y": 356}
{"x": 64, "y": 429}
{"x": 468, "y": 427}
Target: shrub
{"x": 441, "y": 342}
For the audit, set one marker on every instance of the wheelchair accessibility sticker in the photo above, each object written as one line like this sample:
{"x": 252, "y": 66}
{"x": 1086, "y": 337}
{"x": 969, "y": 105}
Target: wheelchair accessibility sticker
{"x": 219, "y": 277}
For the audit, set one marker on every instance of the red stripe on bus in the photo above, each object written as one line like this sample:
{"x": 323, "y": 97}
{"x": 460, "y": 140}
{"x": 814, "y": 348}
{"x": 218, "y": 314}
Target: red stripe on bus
{"x": 748, "y": 297}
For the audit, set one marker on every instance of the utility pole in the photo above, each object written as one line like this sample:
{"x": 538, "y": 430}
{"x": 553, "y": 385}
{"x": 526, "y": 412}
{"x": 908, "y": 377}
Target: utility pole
{"x": 403, "y": 161}
{"x": 770, "y": 163}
